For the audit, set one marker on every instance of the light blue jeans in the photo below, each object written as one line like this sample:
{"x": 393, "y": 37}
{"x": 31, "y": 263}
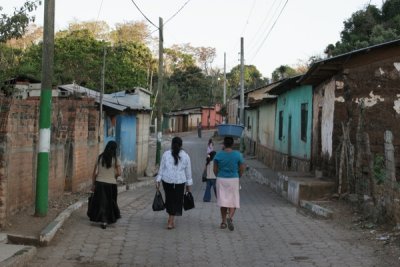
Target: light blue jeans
{"x": 207, "y": 193}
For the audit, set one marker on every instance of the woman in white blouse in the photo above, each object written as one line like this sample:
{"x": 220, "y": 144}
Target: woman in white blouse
{"x": 175, "y": 174}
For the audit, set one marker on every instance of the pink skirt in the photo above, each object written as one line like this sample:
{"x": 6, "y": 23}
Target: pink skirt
{"x": 228, "y": 192}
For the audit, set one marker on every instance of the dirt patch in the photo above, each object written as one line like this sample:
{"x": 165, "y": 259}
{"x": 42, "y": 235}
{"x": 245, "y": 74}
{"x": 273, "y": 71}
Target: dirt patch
{"x": 384, "y": 238}
{"x": 25, "y": 222}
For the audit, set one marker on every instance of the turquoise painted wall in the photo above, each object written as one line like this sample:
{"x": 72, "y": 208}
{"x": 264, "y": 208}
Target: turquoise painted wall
{"x": 290, "y": 103}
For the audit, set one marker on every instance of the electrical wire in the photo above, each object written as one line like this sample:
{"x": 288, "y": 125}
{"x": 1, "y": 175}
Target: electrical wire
{"x": 176, "y": 13}
{"x": 268, "y": 18}
{"x": 143, "y": 14}
{"x": 273, "y": 25}
{"x": 248, "y": 16}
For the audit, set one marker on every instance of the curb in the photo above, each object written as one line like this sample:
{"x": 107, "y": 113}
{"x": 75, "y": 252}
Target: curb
{"x": 316, "y": 209}
{"x": 21, "y": 256}
{"x": 308, "y": 205}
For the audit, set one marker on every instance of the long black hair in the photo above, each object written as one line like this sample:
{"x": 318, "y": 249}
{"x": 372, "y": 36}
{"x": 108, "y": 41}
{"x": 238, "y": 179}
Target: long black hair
{"x": 110, "y": 153}
{"x": 210, "y": 157}
{"x": 176, "y": 146}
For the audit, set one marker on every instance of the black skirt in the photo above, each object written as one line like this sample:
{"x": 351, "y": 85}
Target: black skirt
{"x": 103, "y": 206}
{"x": 173, "y": 198}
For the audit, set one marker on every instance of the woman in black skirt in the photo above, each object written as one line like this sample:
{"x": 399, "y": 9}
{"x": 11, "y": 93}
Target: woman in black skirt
{"x": 176, "y": 174}
{"x": 103, "y": 206}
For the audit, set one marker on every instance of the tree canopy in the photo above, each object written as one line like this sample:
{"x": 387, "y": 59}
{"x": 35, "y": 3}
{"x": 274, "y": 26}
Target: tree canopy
{"x": 252, "y": 78}
{"x": 367, "y": 27}
{"x": 15, "y": 25}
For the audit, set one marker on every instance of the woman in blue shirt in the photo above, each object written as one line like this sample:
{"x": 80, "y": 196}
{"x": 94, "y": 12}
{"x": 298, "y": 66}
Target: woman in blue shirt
{"x": 175, "y": 172}
{"x": 228, "y": 167}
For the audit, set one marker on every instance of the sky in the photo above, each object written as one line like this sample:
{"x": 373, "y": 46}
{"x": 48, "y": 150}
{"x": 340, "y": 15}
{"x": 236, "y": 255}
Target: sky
{"x": 275, "y": 32}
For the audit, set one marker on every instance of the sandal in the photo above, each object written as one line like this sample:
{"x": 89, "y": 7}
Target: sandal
{"x": 223, "y": 226}
{"x": 230, "y": 224}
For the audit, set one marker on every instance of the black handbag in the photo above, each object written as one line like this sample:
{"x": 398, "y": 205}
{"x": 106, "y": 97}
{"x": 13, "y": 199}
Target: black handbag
{"x": 90, "y": 205}
{"x": 188, "y": 201}
{"x": 158, "y": 202}
{"x": 204, "y": 175}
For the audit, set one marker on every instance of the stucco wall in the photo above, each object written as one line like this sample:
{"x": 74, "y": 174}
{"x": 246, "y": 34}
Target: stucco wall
{"x": 267, "y": 125}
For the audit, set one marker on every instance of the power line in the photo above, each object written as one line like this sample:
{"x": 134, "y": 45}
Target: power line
{"x": 268, "y": 18}
{"x": 98, "y": 14}
{"x": 248, "y": 16}
{"x": 144, "y": 14}
{"x": 273, "y": 25}
{"x": 176, "y": 13}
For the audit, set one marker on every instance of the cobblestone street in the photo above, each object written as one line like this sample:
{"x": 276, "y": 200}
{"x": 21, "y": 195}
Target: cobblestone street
{"x": 268, "y": 232}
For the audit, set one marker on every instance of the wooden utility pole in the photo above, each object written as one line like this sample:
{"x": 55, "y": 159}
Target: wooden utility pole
{"x": 42, "y": 170}
{"x": 224, "y": 78}
{"x": 159, "y": 91}
{"x": 241, "y": 115}
{"x": 103, "y": 71}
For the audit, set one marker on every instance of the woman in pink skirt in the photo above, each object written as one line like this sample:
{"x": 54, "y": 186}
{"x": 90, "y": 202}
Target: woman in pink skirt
{"x": 228, "y": 167}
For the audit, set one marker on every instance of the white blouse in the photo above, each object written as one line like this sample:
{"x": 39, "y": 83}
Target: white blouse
{"x": 175, "y": 174}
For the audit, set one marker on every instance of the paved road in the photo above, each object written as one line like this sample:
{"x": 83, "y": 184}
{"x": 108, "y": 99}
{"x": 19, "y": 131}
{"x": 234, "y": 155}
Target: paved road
{"x": 268, "y": 232}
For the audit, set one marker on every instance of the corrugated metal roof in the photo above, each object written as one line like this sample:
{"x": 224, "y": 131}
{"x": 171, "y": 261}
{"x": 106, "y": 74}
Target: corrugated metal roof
{"x": 116, "y": 101}
{"x": 323, "y": 69}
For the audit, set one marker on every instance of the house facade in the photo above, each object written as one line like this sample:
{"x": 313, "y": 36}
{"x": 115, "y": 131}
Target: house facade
{"x": 356, "y": 122}
{"x": 187, "y": 119}
{"x": 126, "y": 120}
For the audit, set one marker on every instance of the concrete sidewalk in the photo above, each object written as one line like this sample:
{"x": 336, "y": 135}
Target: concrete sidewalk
{"x": 19, "y": 255}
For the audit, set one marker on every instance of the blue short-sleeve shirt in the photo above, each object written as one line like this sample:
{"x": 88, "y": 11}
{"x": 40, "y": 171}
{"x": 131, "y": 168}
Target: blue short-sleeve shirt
{"x": 228, "y": 163}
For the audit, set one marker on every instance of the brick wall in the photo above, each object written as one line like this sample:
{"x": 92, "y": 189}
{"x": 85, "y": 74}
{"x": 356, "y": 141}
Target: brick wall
{"x": 74, "y": 148}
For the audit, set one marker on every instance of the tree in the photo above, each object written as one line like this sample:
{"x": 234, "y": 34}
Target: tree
{"x": 252, "y": 78}
{"x": 98, "y": 29}
{"x": 205, "y": 56}
{"x": 127, "y": 66}
{"x": 190, "y": 86}
{"x": 79, "y": 58}
{"x": 283, "y": 72}
{"x": 133, "y": 31}
{"x": 367, "y": 27}
{"x": 33, "y": 35}
{"x": 175, "y": 58}
{"x": 14, "y": 26}
{"x": 9, "y": 60}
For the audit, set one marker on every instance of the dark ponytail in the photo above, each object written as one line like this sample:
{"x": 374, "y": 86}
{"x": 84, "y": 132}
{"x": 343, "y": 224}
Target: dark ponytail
{"x": 176, "y": 146}
{"x": 110, "y": 153}
{"x": 210, "y": 157}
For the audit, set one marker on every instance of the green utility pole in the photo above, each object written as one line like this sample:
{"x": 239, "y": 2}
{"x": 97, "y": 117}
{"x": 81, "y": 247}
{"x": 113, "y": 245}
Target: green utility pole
{"x": 42, "y": 171}
{"x": 159, "y": 91}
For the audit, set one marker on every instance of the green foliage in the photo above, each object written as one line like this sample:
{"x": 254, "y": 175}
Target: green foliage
{"x": 367, "y": 27}
{"x": 9, "y": 60}
{"x": 190, "y": 86}
{"x": 282, "y": 72}
{"x": 177, "y": 60}
{"x": 252, "y": 78}
{"x": 127, "y": 66}
{"x": 379, "y": 171}
{"x": 14, "y": 26}
{"x": 78, "y": 58}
